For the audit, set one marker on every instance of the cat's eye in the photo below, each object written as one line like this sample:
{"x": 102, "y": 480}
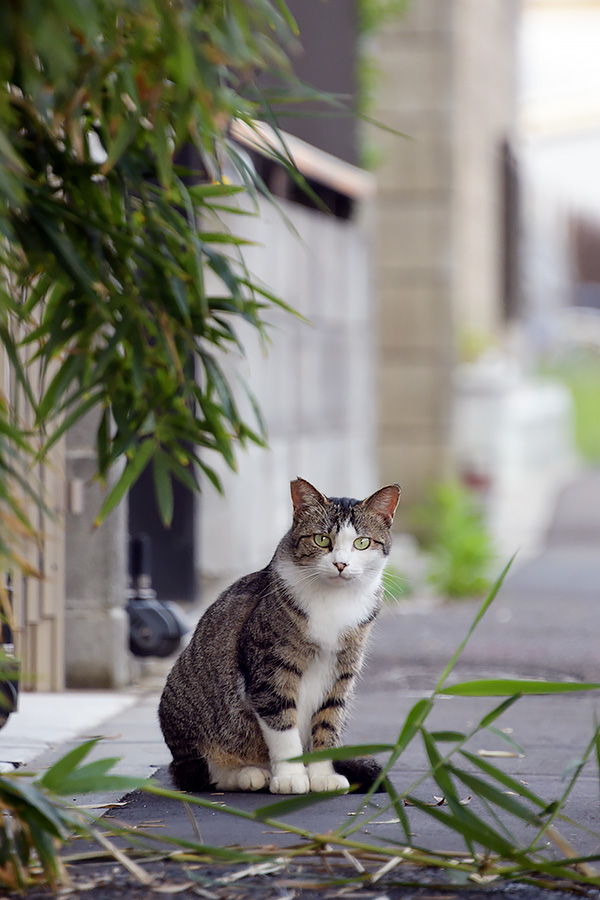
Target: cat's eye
{"x": 361, "y": 543}
{"x": 322, "y": 540}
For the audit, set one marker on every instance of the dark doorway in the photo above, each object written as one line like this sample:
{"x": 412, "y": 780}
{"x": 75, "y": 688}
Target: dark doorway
{"x": 172, "y": 548}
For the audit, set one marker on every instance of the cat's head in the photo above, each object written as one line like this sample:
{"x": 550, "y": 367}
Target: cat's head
{"x": 340, "y": 539}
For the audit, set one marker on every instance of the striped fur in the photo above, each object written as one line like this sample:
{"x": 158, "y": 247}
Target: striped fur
{"x": 272, "y": 663}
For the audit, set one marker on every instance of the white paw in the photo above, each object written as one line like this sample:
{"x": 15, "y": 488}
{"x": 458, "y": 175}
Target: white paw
{"x": 292, "y": 780}
{"x": 333, "y": 782}
{"x": 227, "y": 781}
{"x": 252, "y": 778}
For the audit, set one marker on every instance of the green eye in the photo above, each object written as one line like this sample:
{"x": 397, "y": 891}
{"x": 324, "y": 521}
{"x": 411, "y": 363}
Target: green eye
{"x": 362, "y": 543}
{"x": 322, "y": 540}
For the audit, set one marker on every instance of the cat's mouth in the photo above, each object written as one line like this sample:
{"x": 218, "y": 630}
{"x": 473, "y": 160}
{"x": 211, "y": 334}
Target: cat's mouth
{"x": 343, "y": 575}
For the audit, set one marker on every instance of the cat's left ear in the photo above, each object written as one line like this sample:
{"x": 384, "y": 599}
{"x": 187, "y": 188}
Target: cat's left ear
{"x": 384, "y": 502}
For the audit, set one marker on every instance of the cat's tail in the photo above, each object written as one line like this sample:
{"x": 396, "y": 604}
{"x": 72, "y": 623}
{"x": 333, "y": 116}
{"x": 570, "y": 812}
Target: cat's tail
{"x": 361, "y": 772}
{"x": 190, "y": 774}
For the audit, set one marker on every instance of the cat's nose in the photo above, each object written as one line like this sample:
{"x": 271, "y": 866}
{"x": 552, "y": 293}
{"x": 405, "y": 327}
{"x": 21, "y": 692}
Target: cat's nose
{"x": 340, "y": 566}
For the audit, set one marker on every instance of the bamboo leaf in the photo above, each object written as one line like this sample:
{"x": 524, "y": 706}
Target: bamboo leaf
{"x": 398, "y": 804}
{"x": 511, "y": 783}
{"x": 86, "y": 784}
{"x": 26, "y": 797}
{"x": 55, "y": 775}
{"x": 507, "y": 738}
{"x": 212, "y": 476}
{"x": 44, "y": 845}
{"x": 163, "y": 487}
{"x": 597, "y": 747}
{"x": 473, "y": 829}
{"x": 218, "y": 379}
{"x": 12, "y": 352}
{"x": 132, "y": 471}
{"x": 349, "y": 752}
{"x": 439, "y": 769}
{"x": 203, "y": 192}
{"x": 498, "y": 711}
{"x": 51, "y": 399}
{"x": 480, "y": 614}
{"x": 68, "y": 423}
{"x": 62, "y": 247}
{"x": 125, "y": 135}
{"x": 413, "y": 722}
{"x": 448, "y": 736}
{"x": 499, "y": 798}
{"x": 222, "y": 237}
{"x": 295, "y": 803}
{"x": 507, "y": 687}
{"x": 262, "y": 425}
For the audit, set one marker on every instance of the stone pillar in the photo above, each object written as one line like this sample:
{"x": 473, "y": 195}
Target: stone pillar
{"x": 447, "y": 83}
{"x": 96, "y": 622}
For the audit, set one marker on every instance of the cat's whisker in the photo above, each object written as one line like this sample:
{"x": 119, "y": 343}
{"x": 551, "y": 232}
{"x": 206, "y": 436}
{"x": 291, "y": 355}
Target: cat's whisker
{"x": 393, "y": 597}
{"x": 302, "y": 580}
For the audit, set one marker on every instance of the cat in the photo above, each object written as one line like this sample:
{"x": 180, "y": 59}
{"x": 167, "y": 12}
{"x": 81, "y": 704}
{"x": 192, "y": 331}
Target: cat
{"x": 270, "y": 667}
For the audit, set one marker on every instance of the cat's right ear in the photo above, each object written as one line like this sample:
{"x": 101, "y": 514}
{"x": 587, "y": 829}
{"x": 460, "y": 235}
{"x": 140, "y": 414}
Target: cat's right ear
{"x": 304, "y": 494}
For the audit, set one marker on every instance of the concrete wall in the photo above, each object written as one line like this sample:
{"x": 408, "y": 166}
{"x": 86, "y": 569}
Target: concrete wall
{"x": 96, "y": 622}
{"x": 315, "y": 385}
{"x": 447, "y": 82}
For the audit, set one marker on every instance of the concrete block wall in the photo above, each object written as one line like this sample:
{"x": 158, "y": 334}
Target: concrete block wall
{"x": 447, "y": 83}
{"x": 315, "y": 385}
{"x": 96, "y": 622}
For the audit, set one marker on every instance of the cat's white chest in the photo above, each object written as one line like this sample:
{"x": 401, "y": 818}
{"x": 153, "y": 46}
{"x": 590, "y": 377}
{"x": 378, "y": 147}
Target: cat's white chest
{"x": 332, "y": 613}
{"x": 332, "y": 610}
{"x": 314, "y": 687}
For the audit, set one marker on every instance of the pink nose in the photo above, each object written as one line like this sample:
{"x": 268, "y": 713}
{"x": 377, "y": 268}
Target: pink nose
{"x": 340, "y": 566}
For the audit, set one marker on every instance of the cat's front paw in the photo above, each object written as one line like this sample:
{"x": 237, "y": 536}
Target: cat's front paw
{"x": 323, "y": 777}
{"x": 332, "y": 782}
{"x": 252, "y": 778}
{"x": 290, "y": 780}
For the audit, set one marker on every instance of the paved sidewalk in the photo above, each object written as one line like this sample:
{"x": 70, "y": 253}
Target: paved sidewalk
{"x": 47, "y": 720}
{"x": 544, "y": 624}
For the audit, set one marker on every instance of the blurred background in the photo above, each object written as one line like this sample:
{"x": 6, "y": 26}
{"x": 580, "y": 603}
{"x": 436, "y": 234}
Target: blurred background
{"x": 452, "y": 299}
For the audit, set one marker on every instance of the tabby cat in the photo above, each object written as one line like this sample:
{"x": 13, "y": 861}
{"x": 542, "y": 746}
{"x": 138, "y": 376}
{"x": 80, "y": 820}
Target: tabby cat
{"x": 269, "y": 669}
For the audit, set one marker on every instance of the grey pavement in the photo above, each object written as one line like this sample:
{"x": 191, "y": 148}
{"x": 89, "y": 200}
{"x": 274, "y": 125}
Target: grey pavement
{"x": 543, "y": 624}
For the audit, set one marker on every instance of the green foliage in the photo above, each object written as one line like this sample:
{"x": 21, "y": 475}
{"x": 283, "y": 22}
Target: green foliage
{"x": 483, "y": 805}
{"x": 451, "y": 529}
{"x": 121, "y": 286}
{"x": 490, "y": 820}
{"x": 374, "y": 14}
{"x": 579, "y": 371}
{"x": 489, "y": 824}
{"x": 35, "y": 822}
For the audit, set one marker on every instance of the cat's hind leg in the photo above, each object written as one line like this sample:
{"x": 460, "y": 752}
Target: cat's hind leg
{"x": 190, "y": 774}
{"x": 239, "y": 778}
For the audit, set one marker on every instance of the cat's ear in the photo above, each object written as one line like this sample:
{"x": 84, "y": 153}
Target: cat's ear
{"x": 304, "y": 494}
{"x": 384, "y": 502}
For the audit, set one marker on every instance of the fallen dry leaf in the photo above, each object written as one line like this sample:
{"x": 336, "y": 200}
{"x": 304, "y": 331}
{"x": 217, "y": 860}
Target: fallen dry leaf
{"x": 482, "y": 879}
{"x": 500, "y": 754}
{"x": 173, "y": 887}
